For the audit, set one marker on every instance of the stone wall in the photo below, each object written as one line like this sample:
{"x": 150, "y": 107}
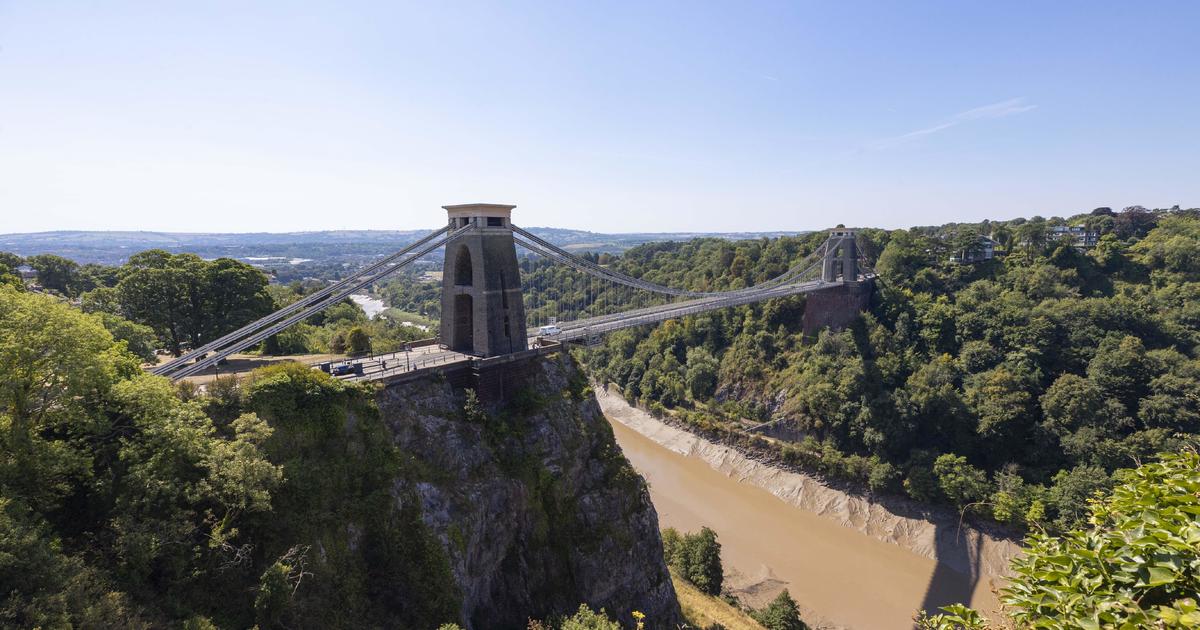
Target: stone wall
{"x": 836, "y": 307}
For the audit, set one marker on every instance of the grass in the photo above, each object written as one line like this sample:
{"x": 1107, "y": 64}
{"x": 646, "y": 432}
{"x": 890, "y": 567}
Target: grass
{"x": 398, "y": 315}
{"x": 702, "y": 610}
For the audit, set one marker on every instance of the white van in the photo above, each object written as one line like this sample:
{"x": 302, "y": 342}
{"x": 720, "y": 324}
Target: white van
{"x": 549, "y": 331}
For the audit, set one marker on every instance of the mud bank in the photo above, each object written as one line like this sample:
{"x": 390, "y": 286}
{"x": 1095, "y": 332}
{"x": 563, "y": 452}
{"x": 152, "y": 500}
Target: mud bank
{"x": 941, "y": 561}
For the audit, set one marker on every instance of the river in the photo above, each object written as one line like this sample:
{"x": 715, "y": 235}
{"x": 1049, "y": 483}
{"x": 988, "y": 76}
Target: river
{"x": 370, "y": 305}
{"x": 841, "y": 577}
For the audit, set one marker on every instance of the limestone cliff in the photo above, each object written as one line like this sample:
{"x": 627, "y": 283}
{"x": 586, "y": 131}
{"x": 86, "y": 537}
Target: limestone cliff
{"x": 536, "y": 507}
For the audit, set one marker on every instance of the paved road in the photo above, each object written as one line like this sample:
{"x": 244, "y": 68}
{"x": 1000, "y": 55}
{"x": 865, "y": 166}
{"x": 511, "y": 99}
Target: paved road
{"x": 400, "y": 362}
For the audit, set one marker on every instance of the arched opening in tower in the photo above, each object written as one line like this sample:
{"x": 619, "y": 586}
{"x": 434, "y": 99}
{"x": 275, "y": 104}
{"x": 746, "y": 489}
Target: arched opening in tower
{"x": 463, "y": 274}
{"x": 464, "y": 323}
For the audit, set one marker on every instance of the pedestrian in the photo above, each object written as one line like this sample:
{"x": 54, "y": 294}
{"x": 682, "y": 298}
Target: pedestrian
{"x": 385, "y": 366}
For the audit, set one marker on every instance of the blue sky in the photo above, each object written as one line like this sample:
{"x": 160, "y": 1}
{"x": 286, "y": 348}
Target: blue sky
{"x": 209, "y": 116}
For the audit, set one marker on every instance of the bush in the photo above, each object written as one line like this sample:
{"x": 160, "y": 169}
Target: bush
{"x": 1136, "y": 565}
{"x": 781, "y": 614}
{"x": 959, "y": 481}
{"x": 586, "y": 619}
{"x": 358, "y": 341}
{"x": 695, "y": 557}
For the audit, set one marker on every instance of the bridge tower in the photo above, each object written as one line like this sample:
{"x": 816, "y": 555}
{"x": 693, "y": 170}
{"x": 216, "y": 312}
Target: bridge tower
{"x": 483, "y": 312}
{"x": 841, "y": 257}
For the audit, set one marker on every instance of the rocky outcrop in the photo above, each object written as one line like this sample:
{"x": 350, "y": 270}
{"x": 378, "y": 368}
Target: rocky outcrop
{"x": 535, "y": 505}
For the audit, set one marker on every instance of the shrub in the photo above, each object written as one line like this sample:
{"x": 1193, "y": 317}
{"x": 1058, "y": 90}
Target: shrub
{"x": 358, "y": 341}
{"x": 695, "y": 557}
{"x": 587, "y": 619}
{"x": 781, "y": 614}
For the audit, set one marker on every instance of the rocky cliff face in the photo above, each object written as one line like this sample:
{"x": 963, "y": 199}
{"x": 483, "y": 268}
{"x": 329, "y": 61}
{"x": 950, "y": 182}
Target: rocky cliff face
{"x": 535, "y": 505}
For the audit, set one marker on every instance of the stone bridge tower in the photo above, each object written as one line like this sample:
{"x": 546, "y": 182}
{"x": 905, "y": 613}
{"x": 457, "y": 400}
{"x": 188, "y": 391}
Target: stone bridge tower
{"x": 841, "y": 257}
{"x": 483, "y": 312}
{"x": 838, "y": 305}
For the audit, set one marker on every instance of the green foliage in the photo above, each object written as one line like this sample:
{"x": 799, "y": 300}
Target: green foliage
{"x": 128, "y": 502}
{"x": 357, "y": 341}
{"x": 274, "y": 595}
{"x": 407, "y": 582}
{"x": 701, "y": 375}
{"x": 1046, "y": 360}
{"x": 959, "y": 481}
{"x": 44, "y": 587}
{"x": 1134, "y": 565}
{"x": 139, "y": 340}
{"x": 58, "y": 365}
{"x": 587, "y": 619}
{"x": 955, "y": 617}
{"x": 186, "y": 299}
{"x": 56, "y": 273}
{"x": 696, "y": 557}
{"x": 9, "y": 262}
{"x": 473, "y": 410}
{"x": 781, "y": 614}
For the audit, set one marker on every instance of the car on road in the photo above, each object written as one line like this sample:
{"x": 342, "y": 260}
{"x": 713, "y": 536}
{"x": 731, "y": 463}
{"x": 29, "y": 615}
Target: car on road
{"x": 549, "y": 331}
{"x": 347, "y": 368}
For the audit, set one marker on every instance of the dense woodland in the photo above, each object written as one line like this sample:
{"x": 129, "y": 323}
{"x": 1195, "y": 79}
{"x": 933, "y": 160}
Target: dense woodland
{"x": 128, "y": 502}
{"x": 1014, "y": 386}
{"x": 158, "y": 300}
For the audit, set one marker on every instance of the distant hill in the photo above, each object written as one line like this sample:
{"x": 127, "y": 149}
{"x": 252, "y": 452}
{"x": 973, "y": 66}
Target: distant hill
{"x": 112, "y": 248}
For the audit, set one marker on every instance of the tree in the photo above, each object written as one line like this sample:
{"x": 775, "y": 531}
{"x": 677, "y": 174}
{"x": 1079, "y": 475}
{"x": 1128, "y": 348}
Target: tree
{"x": 10, "y": 262}
{"x": 1002, "y": 235}
{"x": 959, "y": 481}
{"x": 101, "y": 300}
{"x": 45, "y": 587}
{"x": 1071, "y": 490}
{"x": 1134, "y": 222}
{"x": 58, "y": 365}
{"x": 903, "y": 256}
{"x": 781, "y": 614}
{"x": 1033, "y": 234}
{"x": 1122, "y": 370}
{"x": 1072, "y": 402}
{"x": 702, "y": 561}
{"x": 358, "y": 341}
{"x": 1004, "y": 400}
{"x": 1172, "y": 249}
{"x": 695, "y": 557}
{"x": 56, "y": 273}
{"x": 154, "y": 292}
{"x": 189, "y": 300}
{"x": 966, "y": 240}
{"x": 701, "y": 375}
{"x": 139, "y": 339}
{"x": 235, "y": 294}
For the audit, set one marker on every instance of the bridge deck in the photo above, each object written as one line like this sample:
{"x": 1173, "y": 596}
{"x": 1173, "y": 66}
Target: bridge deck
{"x": 434, "y": 357}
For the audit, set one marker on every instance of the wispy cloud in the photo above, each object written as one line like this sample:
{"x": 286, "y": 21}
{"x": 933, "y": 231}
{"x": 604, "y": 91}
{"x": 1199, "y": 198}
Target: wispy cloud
{"x": 1003, "y": 109}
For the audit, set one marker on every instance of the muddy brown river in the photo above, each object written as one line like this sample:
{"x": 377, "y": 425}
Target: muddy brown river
{"x": 842, "y": 578}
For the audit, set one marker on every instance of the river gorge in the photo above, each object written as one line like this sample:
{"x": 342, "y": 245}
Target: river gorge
{"x": 849, "y": 562}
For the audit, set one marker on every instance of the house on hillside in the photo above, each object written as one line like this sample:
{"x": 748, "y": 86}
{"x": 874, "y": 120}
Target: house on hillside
{"x": 27, "y": 272}
{"x": 984, "y": 249}
{"x": 1077, "y": 235}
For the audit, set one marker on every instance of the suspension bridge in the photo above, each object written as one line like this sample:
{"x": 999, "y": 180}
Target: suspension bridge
{"x": 489, "y": 305}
